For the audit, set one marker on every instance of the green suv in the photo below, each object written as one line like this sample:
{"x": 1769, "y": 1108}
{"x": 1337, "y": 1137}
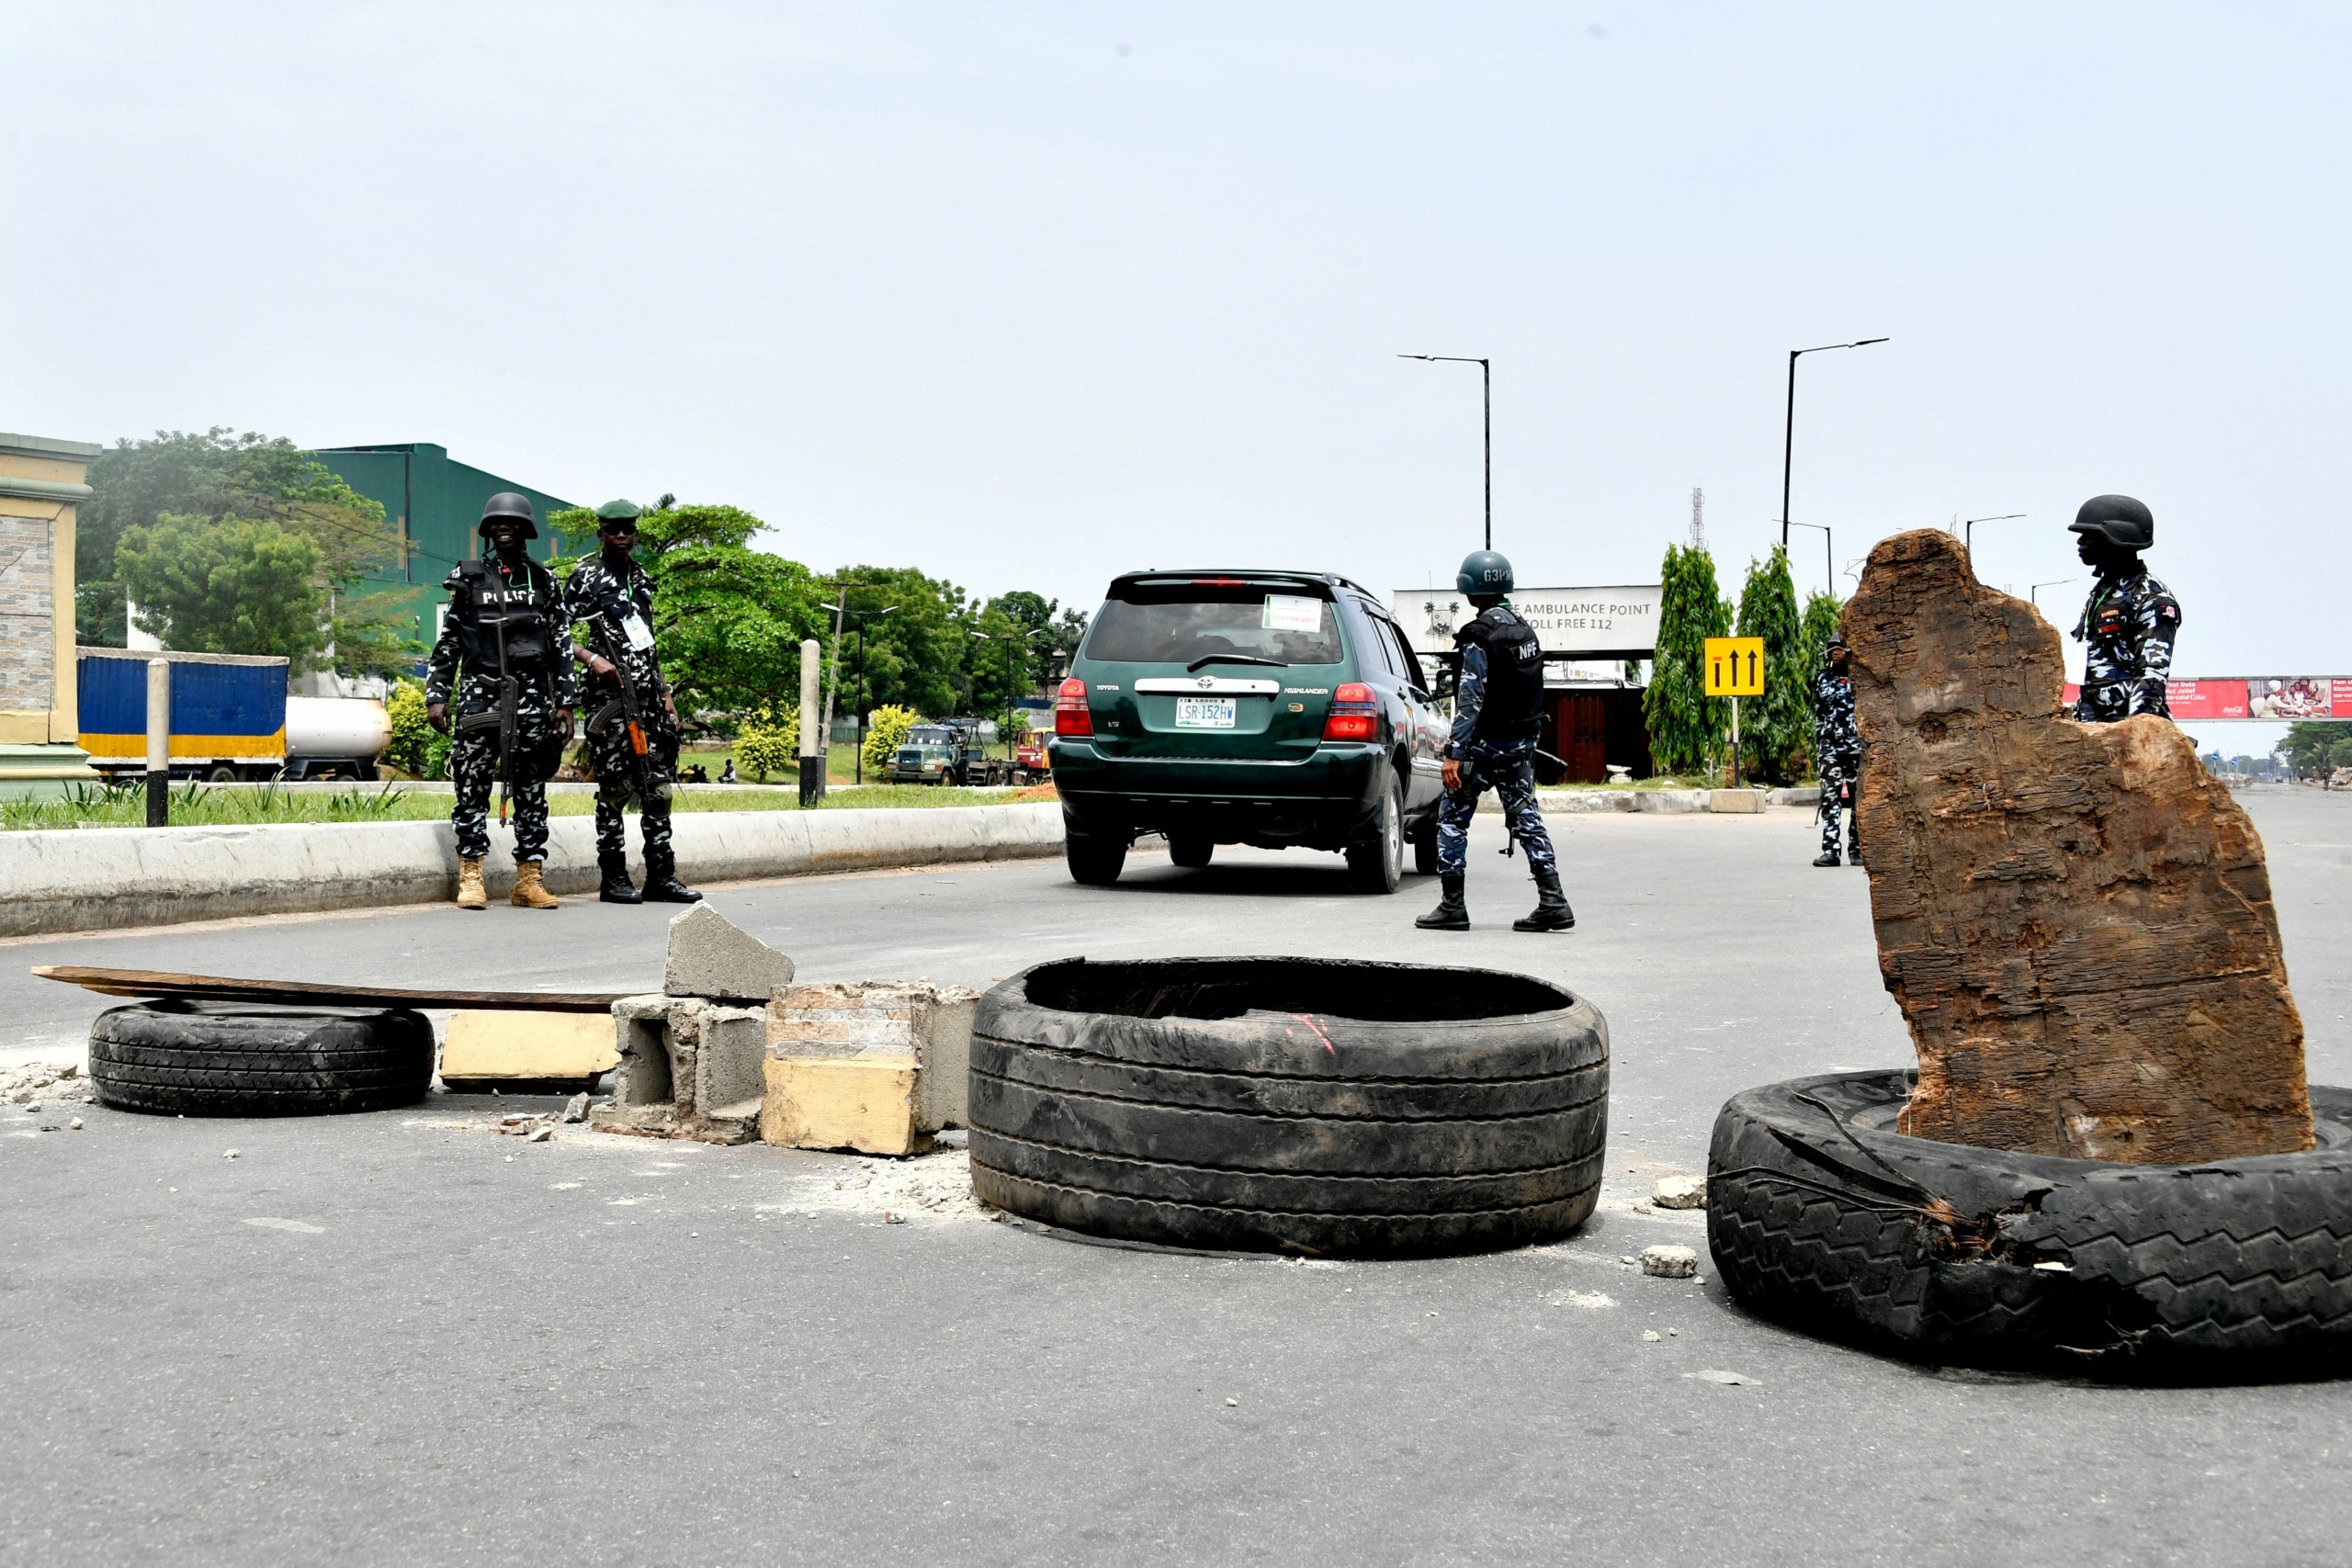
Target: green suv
{"x": 1281, "y": 709}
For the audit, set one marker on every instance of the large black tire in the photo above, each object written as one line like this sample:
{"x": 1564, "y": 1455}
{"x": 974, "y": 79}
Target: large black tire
{"x": 1093, "y": 861}
{"x": 1290, "y": 1104}
{"x": 1376, "y": 862}
{"x": 232, "y": 1059}
{"x": 1820, "y": 1215}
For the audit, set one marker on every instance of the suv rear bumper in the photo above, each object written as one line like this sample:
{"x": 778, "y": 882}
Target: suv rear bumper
{"x": 1321, "y": 801}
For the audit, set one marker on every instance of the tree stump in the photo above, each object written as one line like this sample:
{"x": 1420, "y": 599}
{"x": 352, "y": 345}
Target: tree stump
{"x": 2075, "y": 919}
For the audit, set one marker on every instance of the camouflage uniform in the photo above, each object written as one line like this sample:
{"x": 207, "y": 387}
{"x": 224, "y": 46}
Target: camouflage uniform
{"x": 2127, "y": 632}
{"x": 1507, "y": 764}
{"x": 602, "y": 601}
{"x": 465, "y": 656}
{"x": 1837, "y": 755}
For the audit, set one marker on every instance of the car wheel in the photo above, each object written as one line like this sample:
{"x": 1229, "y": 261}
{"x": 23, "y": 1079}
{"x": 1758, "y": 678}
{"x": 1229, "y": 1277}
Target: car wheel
{"x": 1093, "y": 862}
{"x": 1290, "y": 1104}
{"x": 1191, "y": 852}
{"x": 222, "y": 772}
{"x": 235, "y": 1059}
{"x": 1425, "y": 848}
{"x": 1376, "y": 863}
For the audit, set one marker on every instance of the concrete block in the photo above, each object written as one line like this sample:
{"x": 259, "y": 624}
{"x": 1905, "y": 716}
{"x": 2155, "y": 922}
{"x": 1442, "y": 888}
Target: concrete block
{"x": 1673, "y": 802}
{"x": 494, "y": 1047}
{"x": 689, "y": 1068}
{"x": 915, "y": 1020}
{"x": 865, "y": 1104}
{"x": 1736, "y": 802}
{"x": 710, "y": 956}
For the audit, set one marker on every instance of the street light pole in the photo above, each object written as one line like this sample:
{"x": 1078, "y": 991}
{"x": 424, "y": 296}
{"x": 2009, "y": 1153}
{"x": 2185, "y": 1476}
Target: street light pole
{"x": 1486, "y": 401}
{"x": 2032, "y": 594}
{"x": 1789, "y": 427}
{"x": 842, "y": 611}
{"x": 1829, "y": 555}
{"x": 1968, "y": 530}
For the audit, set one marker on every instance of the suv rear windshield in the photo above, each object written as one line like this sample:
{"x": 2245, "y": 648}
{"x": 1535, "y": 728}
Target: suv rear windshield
{"x": 1181, "y": 625}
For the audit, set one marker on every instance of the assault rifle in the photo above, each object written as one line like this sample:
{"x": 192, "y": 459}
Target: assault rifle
{"x": 627, "y": 706}
{"x": 506, "y": 717}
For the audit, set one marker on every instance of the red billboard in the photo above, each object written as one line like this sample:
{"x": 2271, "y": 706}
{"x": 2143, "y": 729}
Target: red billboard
{"x": 2270, "y": 697}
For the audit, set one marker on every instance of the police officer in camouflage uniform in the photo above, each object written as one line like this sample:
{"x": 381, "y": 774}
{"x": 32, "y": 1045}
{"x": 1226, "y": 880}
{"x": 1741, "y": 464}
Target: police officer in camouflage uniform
{"x": 1496, "y": 707}
{"x": 2128, "y": 626}
{"x": 1838, "y": 753}
{"x": 611, "y": 598}
{"x": 506, "y": 619}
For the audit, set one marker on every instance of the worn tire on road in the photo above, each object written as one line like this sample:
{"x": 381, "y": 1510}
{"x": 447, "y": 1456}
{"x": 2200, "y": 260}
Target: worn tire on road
{"x": 236, "y": 1059}
{"x": 1821, "y": 1216}
{"x": 1287, "y": 1104}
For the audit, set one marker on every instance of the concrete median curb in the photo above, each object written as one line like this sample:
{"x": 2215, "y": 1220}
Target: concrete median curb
{"x": 105, "y": 878}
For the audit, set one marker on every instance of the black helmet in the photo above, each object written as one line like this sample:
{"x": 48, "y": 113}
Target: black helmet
{"x": 2119, "y": 520}
{"x": 506, "y": 503}
{"x": 1484, "y": 574}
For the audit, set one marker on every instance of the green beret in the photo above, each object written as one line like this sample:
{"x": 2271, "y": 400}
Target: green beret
{"x": 620, "y": 512}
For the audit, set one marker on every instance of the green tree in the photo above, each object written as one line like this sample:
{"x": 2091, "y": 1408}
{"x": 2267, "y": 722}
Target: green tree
{"x": 767, "y": 741}
{"x": 412, "y": 736}
{"x": 728, "y": 618}
{"x": 2316, "y": 748}
{"x": 1687, "y": 726}
{"x": 233, "y": 586}
{"x": 1824, "y": 617}
{"x": 1775, "y": 730}
{"x": 224, "y": 478}
{"x": 916, "y": 657}
{"x": 887, "y": 727}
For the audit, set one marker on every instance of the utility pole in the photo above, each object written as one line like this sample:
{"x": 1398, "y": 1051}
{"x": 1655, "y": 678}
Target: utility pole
{"x": 1486, "y": 401}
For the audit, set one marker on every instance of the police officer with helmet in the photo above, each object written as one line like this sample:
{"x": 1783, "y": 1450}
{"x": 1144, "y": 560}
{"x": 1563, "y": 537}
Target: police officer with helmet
{"x": 2128, "y": 626}
{"x": 632, "y": 720}
{"x": 506, "y": 623}
{"x": 1497, "y": 705}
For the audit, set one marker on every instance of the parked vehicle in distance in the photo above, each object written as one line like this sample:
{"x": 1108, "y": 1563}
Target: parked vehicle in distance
{"x": 231, "y": 719}
{"x": 925, "y": 755}
{"x": 1279, "y": 709}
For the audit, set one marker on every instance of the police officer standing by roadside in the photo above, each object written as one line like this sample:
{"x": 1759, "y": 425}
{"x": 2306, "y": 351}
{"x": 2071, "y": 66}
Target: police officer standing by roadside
{"x": 2128, "y": 625}
{"x": 1497, "y": 705}
{"x": 506, "y": 621}
{"x": 632, "y": 719}
{"x": 1837, "y": 752}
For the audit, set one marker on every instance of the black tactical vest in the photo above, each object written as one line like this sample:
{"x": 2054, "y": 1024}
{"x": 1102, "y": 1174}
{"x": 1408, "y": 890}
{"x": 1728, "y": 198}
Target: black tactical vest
{"x": 489, "y": 605}
{"x": 1514, "y": 701}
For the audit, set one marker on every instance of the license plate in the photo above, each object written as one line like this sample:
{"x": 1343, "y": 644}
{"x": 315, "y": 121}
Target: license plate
{"x": 1205, "y": 713}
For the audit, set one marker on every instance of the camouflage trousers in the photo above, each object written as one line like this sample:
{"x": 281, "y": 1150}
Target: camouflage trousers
{"x": 1841, "y": 771}
{"x": 1512, "y": 773}
{"x": 473, "y": 768}
{"x": 616, "y": 786}
{"x": 2109, "y": 701}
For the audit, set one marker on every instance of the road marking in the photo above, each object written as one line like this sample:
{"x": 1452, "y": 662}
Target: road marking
{"x": 297, "y": 1226}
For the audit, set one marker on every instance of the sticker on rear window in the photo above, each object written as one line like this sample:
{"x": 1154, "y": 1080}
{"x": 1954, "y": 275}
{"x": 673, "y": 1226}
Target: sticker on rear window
{"x": 1289, "y": 613}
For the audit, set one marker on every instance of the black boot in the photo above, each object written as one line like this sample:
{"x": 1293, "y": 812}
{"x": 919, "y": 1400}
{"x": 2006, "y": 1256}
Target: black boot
{"x": 662, "y": 884}
{"x": 616, "y": 888}
{"x": 1827, "y": 857}
{"x": 1551, "y": 912}
{"x": 1451, "y": 914}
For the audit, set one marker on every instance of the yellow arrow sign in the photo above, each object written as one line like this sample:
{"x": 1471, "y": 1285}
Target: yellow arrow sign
{"x": 1734, "y": 667}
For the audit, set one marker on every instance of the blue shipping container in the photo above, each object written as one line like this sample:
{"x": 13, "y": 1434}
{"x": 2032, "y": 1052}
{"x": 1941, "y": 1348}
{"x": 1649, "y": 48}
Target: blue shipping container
{"x": 225, "y": 707}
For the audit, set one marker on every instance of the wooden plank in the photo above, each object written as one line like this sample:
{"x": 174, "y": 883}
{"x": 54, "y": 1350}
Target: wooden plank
{"x": 160, "y": 983}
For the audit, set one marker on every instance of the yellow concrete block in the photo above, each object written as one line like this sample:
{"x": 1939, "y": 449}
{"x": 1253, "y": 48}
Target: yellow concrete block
{"x": 491, "y": 1045}
{"x": 866, "y": 1103}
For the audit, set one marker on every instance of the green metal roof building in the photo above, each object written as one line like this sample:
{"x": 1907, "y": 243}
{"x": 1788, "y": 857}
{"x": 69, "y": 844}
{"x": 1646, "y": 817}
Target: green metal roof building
{"x": 438, "y": 504}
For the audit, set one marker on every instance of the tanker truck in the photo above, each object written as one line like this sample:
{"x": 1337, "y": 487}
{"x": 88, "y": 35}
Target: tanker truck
{"x": 231, "y": 720}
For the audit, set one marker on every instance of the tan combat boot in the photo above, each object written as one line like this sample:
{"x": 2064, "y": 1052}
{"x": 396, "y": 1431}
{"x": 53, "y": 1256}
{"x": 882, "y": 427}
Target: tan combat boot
{"x": 530, "y": 893}
{"x": 470, "y": 893}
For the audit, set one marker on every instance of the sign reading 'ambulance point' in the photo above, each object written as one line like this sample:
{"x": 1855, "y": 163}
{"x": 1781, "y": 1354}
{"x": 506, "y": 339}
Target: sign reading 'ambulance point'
{"x": 1734, "y": 667}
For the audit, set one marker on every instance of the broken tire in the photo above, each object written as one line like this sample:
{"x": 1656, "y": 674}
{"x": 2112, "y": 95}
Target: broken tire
{"x": 231, "y": 1059}
{"x": 1821, "y": 1216}
{"x": 1294, "y": 1105}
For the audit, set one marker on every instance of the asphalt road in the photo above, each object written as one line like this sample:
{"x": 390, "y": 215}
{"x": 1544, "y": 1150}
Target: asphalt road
{"x": 400, "y": 1337}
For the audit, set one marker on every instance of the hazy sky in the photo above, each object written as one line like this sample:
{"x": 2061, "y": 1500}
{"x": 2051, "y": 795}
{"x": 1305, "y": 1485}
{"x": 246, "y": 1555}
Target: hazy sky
{"x": 1026, "y": 295}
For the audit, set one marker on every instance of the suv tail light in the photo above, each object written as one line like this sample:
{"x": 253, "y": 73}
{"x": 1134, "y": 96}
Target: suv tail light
{"x": 1071, "y": 715}
{"x": 1353, "y": 714}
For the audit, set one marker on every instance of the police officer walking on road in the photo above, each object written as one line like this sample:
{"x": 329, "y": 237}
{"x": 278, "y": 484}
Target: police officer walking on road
{"x": 506, "y": 622}
{"x": 632, "y": 720}
{"x": 1838, "y": 753}
{"x": 1497, "y": 708}
{"x": 2128, "y": 626}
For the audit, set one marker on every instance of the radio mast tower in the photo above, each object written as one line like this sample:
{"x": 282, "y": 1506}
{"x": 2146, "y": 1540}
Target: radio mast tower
{"x": 1698, "y": 518}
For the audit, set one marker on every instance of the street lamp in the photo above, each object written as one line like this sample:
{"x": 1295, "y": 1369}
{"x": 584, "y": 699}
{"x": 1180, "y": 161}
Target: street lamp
{"x": 858, "y": 762}
{"x": 1789, "y": 431}
{"x": 1016, "y": 645}
{"x": 1968, "y": 532}
{"x": 1487, "y": 393}
{"x": 2032, "y": 593}
{"x": 1828, "y": 556}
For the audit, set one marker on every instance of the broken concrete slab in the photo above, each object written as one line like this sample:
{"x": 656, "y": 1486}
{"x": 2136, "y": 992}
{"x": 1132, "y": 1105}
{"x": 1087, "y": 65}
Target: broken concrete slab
{"x": 926, "y": 1024}
{"x": 710, "y": 956}
{"x": 2075, "y": 919}
{"x": 1679, "y": 1192}
{"x": 689, "y": 1068}
{"x": 865, "y": 1104}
